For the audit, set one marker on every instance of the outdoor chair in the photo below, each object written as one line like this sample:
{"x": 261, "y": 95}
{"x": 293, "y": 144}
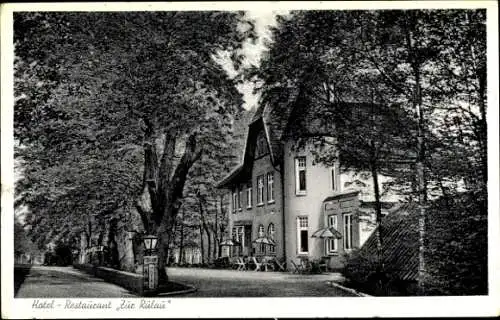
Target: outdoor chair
{"x": 241, "y": 264}
{"x": 258, "y": 264}
{"x": 280, "y": 264}
{"x": 234, "y": 262}
{"x": 297, "y": 268}
{"x": 306, "y": 265}
{"x": 323, "y": 264}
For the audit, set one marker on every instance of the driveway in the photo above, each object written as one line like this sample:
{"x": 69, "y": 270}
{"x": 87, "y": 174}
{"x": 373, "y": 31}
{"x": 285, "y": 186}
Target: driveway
{"x": 65, "y": 282}
{"x": 231, "y": 283}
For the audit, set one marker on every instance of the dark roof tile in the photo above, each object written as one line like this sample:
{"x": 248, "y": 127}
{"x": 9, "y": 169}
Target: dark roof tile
{"x": 399, "y": 234}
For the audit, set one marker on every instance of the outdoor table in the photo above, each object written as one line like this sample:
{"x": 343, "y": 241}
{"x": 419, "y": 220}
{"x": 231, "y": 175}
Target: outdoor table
{"x": 268, "y": 262}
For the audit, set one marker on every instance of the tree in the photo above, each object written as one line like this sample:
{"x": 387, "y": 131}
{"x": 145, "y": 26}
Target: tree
{"x": 341, "y": 89}
{"x": 126, "y": 86}
{"x": 202, "y": 198}
{"x": 401, "y": 60}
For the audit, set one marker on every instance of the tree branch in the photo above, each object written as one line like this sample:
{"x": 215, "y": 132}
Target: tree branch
{"x": 176, "y": 183}
{"x": 144, "y": 215}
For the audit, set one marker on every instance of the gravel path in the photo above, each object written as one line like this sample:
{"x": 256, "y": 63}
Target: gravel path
{"x": 67, "y": 282}
{"x": 230, "y": 283}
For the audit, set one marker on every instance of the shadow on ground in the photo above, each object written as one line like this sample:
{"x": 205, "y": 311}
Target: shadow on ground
{"x": 20, "y": 273}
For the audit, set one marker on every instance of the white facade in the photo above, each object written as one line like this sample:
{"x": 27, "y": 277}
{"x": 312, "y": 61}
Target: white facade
{"x": 302, "y": 204}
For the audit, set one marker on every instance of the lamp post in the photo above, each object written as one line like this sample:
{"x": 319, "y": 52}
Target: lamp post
{"x": 150, "y": 269}
{"x": 75, "y": 256}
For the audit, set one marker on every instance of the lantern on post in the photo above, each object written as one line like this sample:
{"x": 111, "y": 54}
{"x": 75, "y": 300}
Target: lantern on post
{"x": 150, "y": 269}
{"x": 150, "y": 242}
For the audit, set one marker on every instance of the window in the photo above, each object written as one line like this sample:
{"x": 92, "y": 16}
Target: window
{"x": 261, "y": 231}
{"x": 235, "y": 201}
{"x": 262, "y": 246}
{"x": 238, "y": 232}
{"x": 270, "y": 187}
{"x": 270, "y": 233}
{"x": 238, "y": 235}
{"x": 300, "y": 175}
{"x": 302, "y": 235}
{"x": 240, "y": 195}
{"x": 261, "y": 146}
{"x": 260, "y": 190}
{"x": 334, "y": 179}
{"x": 347, "y": 231}
{"x": 332, "y": 243}
{"x": 249, "y": 195}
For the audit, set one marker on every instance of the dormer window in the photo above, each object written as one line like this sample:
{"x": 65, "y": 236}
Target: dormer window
{"x": 261, "y": 145}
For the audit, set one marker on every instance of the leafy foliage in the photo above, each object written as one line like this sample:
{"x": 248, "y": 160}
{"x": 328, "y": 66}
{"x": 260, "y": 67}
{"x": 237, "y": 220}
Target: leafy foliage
{"x": 107, "y": 101}
{"x": 456, "y": 254}
{"x": 458, "y": 251}
{"x": 406, "y": 69}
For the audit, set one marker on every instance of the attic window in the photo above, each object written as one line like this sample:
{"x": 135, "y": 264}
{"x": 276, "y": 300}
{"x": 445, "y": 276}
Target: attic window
{"x": 261, "y": 146}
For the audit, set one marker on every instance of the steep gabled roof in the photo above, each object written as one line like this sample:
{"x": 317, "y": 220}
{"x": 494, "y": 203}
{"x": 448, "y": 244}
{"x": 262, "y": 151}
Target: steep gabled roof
{"x": 289, "y": 115}
{"x": 273, "y": 121}
{"x": 258, "y": 113}
{"x": 276, "y": 116}
{"x": 231, "y": 176}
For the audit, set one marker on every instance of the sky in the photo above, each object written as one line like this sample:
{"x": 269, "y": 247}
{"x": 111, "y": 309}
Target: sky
{"x": 264, "y": 20}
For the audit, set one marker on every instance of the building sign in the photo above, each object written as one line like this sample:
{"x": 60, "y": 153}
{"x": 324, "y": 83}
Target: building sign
{"x": 346, "y": 203}
{"x": 150, "y": 259}
{"x": 342, "y": 201}
{"x": 331, "y": 206}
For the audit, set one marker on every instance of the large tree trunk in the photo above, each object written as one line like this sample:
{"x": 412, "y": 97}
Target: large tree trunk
{"x": 216, "y": 242}
{"x": 378, "y": 213}
{"x": 181, "y": 244}
{"x": 420, "y": 163}
{"x": 481, "y": 78}
{"x": 378, "y": 208}
{"x": 214, "y": 248}
{"x": 164, "y": 183}
{"x": 202, "y": 245}
{"x": 483, "y": 128}
{"x": 209, "y": 242}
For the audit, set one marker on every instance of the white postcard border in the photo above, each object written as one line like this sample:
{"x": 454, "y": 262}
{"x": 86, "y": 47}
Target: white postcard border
{"x": 254, "y": 307}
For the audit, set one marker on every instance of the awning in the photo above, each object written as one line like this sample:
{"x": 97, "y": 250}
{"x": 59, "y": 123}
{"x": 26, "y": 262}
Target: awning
{"x": 239, "y": 223}
{"x": 229, "y": 242}
{"x": 265, "y": 240}
{"x": 328, "y": 232}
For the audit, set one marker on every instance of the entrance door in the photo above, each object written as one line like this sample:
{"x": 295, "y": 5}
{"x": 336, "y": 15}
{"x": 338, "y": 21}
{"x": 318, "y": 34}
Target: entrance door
{"x": 247, "y": 250}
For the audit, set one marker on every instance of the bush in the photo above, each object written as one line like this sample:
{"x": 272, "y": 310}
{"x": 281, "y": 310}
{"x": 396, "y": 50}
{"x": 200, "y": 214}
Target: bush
{"x": 457, "y": 257}
{"x": 222, "y": 263}
{"x": 361, "y": 273}
{"x": 456, "y": 252}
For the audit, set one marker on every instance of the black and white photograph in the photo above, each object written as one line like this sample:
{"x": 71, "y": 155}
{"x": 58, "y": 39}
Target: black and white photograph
{"x": 159, "y": 156}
